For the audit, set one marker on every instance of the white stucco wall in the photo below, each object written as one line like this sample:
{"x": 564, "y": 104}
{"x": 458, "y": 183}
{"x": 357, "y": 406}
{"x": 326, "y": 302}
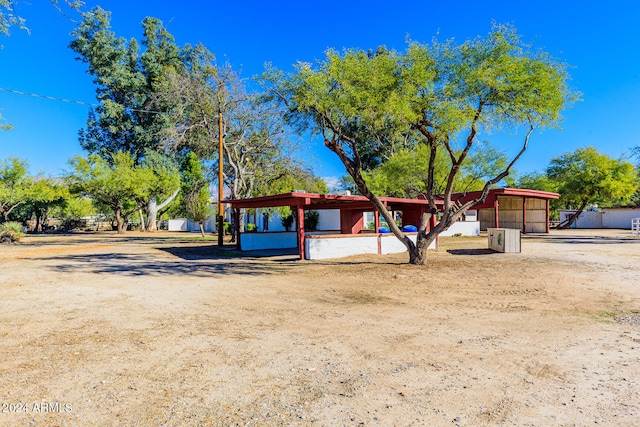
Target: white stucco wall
{"x": 259, "y": 241}
{"x": 619, "y": 217}
{"x": 338, "y": 246}
{"x": 464, "y": 228}
{"x": 607, "y": 218}
{"x": 587, "y": 219}
{"x": 179, "y": 224}
{"x": 183, "y": 224}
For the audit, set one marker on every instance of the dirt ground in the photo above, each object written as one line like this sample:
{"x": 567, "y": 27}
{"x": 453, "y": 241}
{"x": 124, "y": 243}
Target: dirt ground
{"x": 168, "y": 330}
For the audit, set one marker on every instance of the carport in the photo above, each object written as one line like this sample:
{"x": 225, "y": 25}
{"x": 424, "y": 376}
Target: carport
{"x": 522, "y": 209}
{"x": 352, "y": 209}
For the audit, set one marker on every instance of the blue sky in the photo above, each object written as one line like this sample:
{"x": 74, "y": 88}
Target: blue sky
{"x": 600, "y": 40}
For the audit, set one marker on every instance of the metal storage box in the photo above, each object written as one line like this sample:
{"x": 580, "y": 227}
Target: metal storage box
{"x": 504, "y": 239}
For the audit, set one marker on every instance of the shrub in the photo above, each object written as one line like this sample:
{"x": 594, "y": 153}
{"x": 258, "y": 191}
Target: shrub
{"x": 287, "y": 221}
{"x": 10, "y": 232}
{"x": 228, "y": 229}
{"x": 311, "y": 219}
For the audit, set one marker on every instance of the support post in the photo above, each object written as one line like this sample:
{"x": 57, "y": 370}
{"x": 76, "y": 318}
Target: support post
{"x": 236, "y": 219}
{"x": 300, "y": 230}
{"x": 433, "y": 221}
{"x": 376, "y": 222}
{"x": 496, "y": 211}
{"x": 547, "y": 225}
{"x": 220, "y": 182}
{"x": 524, "y": 215}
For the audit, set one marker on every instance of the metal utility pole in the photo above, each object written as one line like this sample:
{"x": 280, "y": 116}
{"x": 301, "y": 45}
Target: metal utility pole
{"x": 220, "y": 183}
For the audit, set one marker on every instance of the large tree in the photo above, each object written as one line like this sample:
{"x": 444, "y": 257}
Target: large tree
{"x": 43, "y": 195}
{"x": 586, "y": 177}
{"x": 204, "y": 96}
{"x": 14, "y": 185}
{"x": 118, "y": 184}
{"x": 206, "y": 99}
{"x": 446, "y": 92}
{"x": 195, "y": 190}
{"x": 126, "y": 84}
{"x": 162, "y": 190}
{"x": 129, "y": 118}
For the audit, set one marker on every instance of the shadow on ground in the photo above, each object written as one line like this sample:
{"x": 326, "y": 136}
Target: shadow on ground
{"x": 216, "y": 252}
{"x": 144, "y": 265}
{"x": 481, "y": 251}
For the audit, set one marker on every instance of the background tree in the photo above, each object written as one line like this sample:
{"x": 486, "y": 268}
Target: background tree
{"x": 163, "y": 189}
{"x": 195, "y": 190}
{"x": 635, "y": 153}
{"x": 127, "y": 82}
{"x": 587, "y": 177}
{"x": 540, "y": 181}
{"x": 256, "y": 149}
{"x": 257, "y": 152}
{"x": 406, "y": 173}
{"x": 10, "y": 17}
{"x": 118, "y": 184}
{"x": 130, "y": 118}
{"x": 73, "y": 212}
{"x": 14, "y": 185}
{"x": 446, "y": 92}
{"x": 43, "y": 196}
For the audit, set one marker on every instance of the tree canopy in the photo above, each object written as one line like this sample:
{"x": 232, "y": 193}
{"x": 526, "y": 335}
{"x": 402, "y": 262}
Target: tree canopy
{"x": 128, "y": 117}
{"x": 14, "y": 185}
{"x": 440, "y": 96}
{"x": 195, "y": 190}
{"x": 406, "y": 172}
{"x": 587, "y": 176}
{"x": 117, "y": 184}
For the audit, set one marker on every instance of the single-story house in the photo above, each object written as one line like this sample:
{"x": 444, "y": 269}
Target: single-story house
{"x": 346, "y": 234}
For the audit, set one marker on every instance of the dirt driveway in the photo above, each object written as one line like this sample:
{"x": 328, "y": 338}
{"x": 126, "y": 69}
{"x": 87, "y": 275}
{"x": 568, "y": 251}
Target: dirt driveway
{"x": 167, "y": 330}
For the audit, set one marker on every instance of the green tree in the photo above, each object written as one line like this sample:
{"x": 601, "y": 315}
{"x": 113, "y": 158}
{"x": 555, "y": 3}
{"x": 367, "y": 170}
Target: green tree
{"x": 14, "y": 185}
{"x": 586, "y": 177}
{"x": 257, "y": 152}
{"x": 406, "y": 172}
{"x": 74, "y": 210}
{"x": 44, "y": 195}
{"x": 635, "y": 153}
{"x": 195, "y": 190}
{"x": 118, "y": 184}
{"x": 447, "y": 93}
{"x": 163, "y": 189}
{"x": 540, "y": 181}
{"x": 127, "y": 83}
{"x": 130, "y": 117}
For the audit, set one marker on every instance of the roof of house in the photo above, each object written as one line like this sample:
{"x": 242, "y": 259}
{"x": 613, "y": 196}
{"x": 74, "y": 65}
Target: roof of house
{"x": 336, "y": 201}
{"x": 495, "y": 192}
{"x": 322, "y": 201}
